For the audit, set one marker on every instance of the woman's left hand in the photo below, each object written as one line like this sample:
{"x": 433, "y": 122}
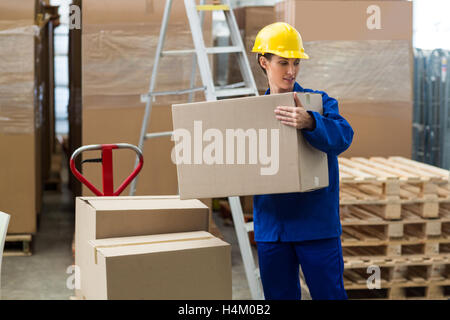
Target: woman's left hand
{"x": 296, "y": 117}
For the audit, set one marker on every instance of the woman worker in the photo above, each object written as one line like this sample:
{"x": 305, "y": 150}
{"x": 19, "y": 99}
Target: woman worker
{"x": 303, "y": 229}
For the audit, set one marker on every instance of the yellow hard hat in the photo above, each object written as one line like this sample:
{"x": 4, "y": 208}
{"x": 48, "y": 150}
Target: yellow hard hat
{"x": 281, "y": 39}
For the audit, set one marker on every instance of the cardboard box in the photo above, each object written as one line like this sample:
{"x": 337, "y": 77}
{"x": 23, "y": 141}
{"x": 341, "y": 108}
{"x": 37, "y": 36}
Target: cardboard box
{"x": 366, "y": 66}
{"x": 123, "y": 124}
{"x": 186, "y": 266}
{"x": 20, "y": 115}
{"x": 217, "y": 169}
{"x": 107, "y": 217}
{"x": 375, "y": 125}
{"x": 348, "y": 20}
{"x": 118, "y": 48}
{"x": 18, "y": 181}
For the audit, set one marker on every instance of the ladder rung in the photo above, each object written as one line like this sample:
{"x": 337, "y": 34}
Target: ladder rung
{"x": 210, "y": 50}
{"x": 234, "y": 92}
{"x": 158, "y": 134}
{"x": 213, "y": 7}
{"x": 232, "y": 86}
{"x": 177, "y": 52}
{"x": 249, "y": 226}
{"x": 144, "y": 97}
{"x": 227, "y": 49}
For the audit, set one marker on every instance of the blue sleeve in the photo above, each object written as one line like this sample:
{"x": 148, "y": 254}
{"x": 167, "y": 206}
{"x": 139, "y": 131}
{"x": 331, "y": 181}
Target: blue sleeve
{"x": 332, "y": 133}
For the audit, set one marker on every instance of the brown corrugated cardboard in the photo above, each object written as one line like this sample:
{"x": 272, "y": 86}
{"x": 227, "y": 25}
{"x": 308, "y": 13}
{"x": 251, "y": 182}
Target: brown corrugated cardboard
{"x": 118, "y": 48}
{"x": 381, "y": 129}
{"x": 20, "y": 183}
{"x": 122, "y": 124}
{"x": 348, "y": 20}
{"x": 368, "y": 70}
{"x": 294, "y": 167}
{"x": 187, "y": 266}
{"x": 141, "y": 11}
{"x": 106, "y": 217}
{"x": 17, "y": 10}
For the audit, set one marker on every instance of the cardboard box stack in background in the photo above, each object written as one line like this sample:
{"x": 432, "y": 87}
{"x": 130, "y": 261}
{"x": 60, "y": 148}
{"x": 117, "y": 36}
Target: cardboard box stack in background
{"x": 242, "y": 130}
{"x": 366, "y": 66}
{"x": 21, "y": 88}
{"x": 118, "y": 48}
{"x": 108, "y": 226}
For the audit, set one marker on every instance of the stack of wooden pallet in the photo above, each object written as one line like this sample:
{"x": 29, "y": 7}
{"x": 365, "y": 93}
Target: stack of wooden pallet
{"x": 395, "y": 215}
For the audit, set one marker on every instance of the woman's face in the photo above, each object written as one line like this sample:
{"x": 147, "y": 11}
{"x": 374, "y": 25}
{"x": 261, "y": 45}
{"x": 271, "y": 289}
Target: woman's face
{"x": 281, "y": 72}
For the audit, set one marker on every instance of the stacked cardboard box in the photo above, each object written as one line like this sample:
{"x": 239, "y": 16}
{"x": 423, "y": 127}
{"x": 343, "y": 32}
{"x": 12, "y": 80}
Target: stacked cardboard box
{"x": 149, "y": 248}
{"x": 361, "y": 54}
{"x": 21, "y": 89}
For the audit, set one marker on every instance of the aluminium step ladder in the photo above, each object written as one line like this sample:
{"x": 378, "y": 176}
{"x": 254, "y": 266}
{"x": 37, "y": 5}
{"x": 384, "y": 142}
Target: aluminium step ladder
{"x": 195, "y": 14}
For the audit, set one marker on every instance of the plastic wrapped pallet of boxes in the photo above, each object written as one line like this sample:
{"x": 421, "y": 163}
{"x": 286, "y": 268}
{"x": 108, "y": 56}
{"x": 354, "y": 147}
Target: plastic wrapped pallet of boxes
{"x": 118, "y": 48}
{"x": 20, "y": 116}
{"x": 365, "y": 65}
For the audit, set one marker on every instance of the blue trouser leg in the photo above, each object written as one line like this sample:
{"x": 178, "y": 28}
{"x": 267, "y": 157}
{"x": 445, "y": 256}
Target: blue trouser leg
{"x": 279, "y": 269}
{"x": 323, "y": 267}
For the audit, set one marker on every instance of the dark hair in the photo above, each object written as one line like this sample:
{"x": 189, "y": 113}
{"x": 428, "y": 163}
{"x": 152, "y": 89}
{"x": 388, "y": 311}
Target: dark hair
{"x": 268, "y": 56}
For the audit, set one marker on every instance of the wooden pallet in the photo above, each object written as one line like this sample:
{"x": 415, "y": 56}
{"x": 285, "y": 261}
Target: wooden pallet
{"x": 364, "y": 226}
{"x": 18, "y": 245}
{"x": 387, "y": 184}
{"x": 412, "y": 249}
{"x": 412, "y": 291}
{"x": 391, "y": 172}
{"x": 431, "y": 275}
{"x": 392, "y": 209}
{"x": 351, "y": 262}
{"x": 418, "y": 288}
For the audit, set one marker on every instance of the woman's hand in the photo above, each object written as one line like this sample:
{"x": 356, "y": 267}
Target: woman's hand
{"x": 296, "y": 117}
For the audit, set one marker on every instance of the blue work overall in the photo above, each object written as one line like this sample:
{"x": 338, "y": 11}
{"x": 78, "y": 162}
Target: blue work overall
{"x": 293, "y": 229}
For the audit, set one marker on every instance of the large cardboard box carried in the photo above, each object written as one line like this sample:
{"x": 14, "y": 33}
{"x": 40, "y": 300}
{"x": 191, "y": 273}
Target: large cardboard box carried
{"x": 237, "y": 147}
{"x": 108, "y": 217}
{"x": 187, "y": 266}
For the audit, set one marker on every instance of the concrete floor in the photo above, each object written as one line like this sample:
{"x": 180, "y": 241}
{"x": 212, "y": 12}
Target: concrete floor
{"x": 44, "y": 274}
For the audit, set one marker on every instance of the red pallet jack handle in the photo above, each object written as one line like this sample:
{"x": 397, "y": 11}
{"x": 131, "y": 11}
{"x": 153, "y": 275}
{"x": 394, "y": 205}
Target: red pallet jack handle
{"x": 107, "y": 168}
